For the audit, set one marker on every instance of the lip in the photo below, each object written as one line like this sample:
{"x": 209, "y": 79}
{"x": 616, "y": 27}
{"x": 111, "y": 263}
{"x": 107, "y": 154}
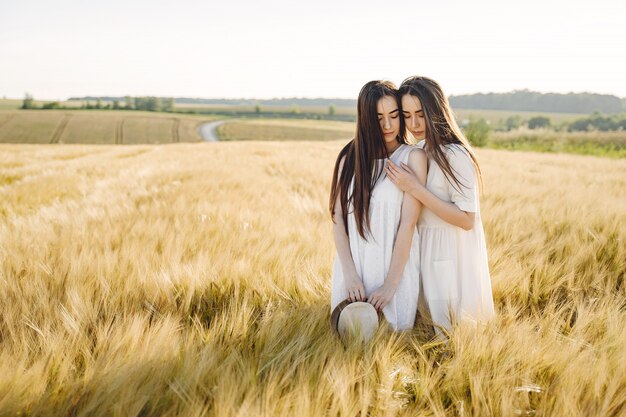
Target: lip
{"x": 389, "y": 133}
{"x": 418, "y": 133}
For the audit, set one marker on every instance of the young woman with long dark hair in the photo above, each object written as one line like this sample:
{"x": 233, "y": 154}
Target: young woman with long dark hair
{"x": 454, "y": 270}
{"x": 374, "y": 221}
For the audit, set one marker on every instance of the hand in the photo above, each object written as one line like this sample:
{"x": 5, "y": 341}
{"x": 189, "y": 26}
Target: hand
{"x": 402, "y": 177}
{"x": 382, "y": 296}
{"x": 355, "y": 289}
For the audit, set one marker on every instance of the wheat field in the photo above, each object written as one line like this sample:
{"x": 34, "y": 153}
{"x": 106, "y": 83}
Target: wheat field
{"x": 194, "y": 280}
{"x": 285, "y": 129}
{"x": 99, "y": 127}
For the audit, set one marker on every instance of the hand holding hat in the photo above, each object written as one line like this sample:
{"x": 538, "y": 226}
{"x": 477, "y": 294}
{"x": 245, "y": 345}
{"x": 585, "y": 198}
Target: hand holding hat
{"x": 352, "y": 319}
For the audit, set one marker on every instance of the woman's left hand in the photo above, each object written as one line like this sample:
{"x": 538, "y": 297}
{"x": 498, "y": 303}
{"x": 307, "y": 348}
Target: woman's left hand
{"x": 402, "y": 176}
{"x": 382, "y": 296}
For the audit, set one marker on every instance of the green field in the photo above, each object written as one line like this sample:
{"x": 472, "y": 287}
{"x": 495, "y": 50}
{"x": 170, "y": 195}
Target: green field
{"x": 98, "y": 127}
{"x": 496, "y": 116}
{"x": 285, "y": 129}
{"x": 612, "y": 144}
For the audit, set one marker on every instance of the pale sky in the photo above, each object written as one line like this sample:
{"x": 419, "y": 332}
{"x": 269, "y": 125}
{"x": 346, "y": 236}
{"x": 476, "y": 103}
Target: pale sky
{"x": 316, "y": 48}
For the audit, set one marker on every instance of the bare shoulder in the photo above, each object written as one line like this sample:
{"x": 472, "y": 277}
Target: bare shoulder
{"x": 417, "y": 157}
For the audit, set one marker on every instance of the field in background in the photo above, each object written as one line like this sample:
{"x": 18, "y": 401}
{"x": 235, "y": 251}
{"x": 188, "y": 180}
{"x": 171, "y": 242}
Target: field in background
{"x": 194, "y": 279}
{"x": 495, "y": 117}
{"x": 285, "y": 129}
{"x": 98, "y": 127}
{"x": 134, "y": 127}
{"x": 612, "y": 144}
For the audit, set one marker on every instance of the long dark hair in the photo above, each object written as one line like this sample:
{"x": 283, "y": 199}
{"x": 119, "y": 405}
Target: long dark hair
{"x": 441, "y": 126}
{"x": 362, "y": 156}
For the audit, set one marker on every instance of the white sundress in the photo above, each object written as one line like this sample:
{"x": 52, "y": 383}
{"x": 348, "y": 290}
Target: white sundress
{"x": 372, "y": 258}
{"x": 454, "y": 267}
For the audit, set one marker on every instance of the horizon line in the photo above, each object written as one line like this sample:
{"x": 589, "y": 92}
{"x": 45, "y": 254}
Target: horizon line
{"x": 76, "y": 97}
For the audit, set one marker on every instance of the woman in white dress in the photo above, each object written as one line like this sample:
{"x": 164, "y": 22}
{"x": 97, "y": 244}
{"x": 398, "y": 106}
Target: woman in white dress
{"x": 454, "y": 268}
{"x": 374, "y": 229}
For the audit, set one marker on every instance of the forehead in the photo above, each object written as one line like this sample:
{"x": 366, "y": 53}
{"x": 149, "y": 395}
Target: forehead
{"x": 411, "y": 103}
{"x": 386, "y": 104}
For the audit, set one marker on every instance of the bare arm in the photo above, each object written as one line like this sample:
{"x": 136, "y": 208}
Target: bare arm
{"x": 407, "y": 181}
{"x": 411, "y": 208}
{"x": 448, "y": 212}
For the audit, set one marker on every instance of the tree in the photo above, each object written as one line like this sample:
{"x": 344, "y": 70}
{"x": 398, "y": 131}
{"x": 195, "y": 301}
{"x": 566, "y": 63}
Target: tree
{"x": 477, "y": 131}
{"x": 257, "y": 109}
{"x": 153, "y": 104}
{"x": 512, "y": 122}
{"x": 295, "y": 109}
{"x": 538, "y": 122}
{"x": 332, "y": 110}
{"x": 51, "y": 105}
{"x": 29, "y": 102}
{"x": 116, "y": 104}
{"x": 167, "y": 104}
{"x": 129, "y": 102}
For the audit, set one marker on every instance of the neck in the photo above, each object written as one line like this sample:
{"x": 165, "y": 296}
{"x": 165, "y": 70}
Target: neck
{"x": 392, "y": 146}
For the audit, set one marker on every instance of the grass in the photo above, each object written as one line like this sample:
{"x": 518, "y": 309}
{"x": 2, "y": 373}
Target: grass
{"x": 194, "y": 279}
{"x": 98, "y": 127}
{"x": 611, "y": 144}
{"x": 496, "y": 116}
{"x": 284, "y": 129}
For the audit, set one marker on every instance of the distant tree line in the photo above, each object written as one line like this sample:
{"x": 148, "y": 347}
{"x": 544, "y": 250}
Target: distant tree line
{"x": 599, "y": 122}
{"x": 147, "y": 103}
{"x": 526, "y": 100}
{"x": 478, "y": 130}
{"x": 288, "y": 102}
{"x": 523, "y": 100}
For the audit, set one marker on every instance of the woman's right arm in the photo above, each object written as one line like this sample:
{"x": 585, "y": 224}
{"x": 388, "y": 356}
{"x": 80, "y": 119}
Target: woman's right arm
{"x": 461, "y": 213}
{"x": 355, "y": 291}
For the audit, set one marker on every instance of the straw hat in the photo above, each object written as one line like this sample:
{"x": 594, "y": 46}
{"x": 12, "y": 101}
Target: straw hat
{"x": 355, "y": 319}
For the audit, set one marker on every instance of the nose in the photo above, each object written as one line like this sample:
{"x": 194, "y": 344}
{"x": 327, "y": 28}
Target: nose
{"x": 415, "y": 123}
{"x": 386, "y": 123}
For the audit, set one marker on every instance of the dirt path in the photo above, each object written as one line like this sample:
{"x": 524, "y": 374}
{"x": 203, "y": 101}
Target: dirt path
{"x": 208, "y": 131}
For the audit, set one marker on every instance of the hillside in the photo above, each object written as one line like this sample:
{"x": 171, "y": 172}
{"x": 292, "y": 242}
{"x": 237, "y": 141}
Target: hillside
{"x": 525, "y": 100}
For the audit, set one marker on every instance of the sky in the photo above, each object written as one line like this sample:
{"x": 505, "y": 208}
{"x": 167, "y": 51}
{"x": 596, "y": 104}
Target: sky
{"x": 317, "y": 48}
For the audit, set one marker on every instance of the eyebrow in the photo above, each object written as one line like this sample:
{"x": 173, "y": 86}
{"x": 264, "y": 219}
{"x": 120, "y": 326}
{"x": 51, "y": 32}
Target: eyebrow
{"x": 393, "y": 111}
{"x": 416, "y": 111}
